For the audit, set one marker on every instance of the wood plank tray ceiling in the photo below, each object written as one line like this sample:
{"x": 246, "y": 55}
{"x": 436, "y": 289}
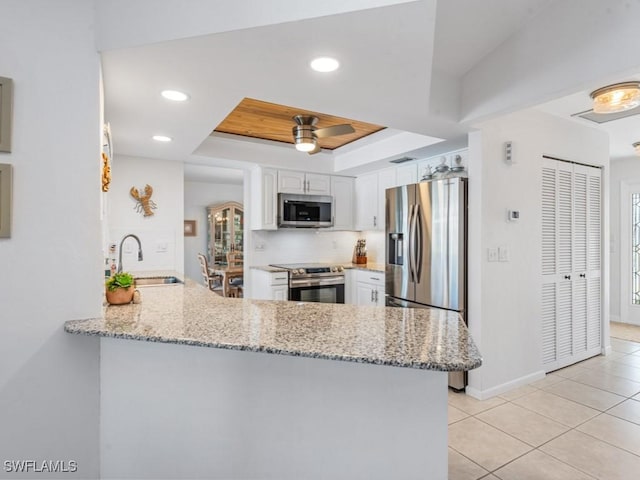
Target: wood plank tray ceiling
{"x": 270, "y": 121}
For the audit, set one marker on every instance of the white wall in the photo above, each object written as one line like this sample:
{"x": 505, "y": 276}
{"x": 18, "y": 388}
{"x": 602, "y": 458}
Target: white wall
{"x": 623, "y": 171}
{"x": 504, "y": 298}
{"x": 164, "y": 230}
{"x": 197, "y": 197}
{"x": 50, "y": 268}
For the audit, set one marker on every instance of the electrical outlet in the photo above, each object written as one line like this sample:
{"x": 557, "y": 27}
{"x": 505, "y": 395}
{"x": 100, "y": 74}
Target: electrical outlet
{"x": 259, "y": 247}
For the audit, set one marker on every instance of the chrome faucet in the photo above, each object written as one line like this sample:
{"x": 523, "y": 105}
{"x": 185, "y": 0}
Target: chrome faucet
{"x": 120, "y": 252}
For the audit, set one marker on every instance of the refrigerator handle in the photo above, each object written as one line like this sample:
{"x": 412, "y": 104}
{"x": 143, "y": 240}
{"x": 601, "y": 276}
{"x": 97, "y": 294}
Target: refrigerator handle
{"x": 418, "y": 229}
{"x": 412, "y": 243}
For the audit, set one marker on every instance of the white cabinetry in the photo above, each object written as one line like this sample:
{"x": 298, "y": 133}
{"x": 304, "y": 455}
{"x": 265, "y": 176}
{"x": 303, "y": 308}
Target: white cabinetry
{"x": 342, "y": 191}
{"x": 370, "y": 198}
{"x": 571, "y": 263}
{"x": 264, "y": 198}
{"x": 369, "y": 288}
{"x": 406, "y": 174}
{"x": 270, "y": 285}
{"x": 303, "y": 183}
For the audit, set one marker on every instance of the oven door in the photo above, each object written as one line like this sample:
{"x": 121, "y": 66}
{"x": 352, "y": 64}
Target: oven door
{"x": 325, "y": 290}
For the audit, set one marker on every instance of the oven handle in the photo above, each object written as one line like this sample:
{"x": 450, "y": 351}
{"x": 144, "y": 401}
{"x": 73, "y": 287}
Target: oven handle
{"x": 314, "y": 282}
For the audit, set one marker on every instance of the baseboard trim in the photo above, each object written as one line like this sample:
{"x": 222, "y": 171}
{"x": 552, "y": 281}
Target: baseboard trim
{"x": 505, "y": 387}
{"x": 615, "y": 318}
{"x": 635, "y": 324}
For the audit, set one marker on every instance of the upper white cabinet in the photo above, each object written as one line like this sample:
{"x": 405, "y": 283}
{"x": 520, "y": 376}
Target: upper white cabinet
{"x": 367, "y": 202}
{"x": 266, "y": 183}
{"x": 264, "y": 199}
{"x": 343, "y": 194}
{"x": 303, "y": 183}
{"x": 407, "y": 174}
{"x": 370, "y": 198}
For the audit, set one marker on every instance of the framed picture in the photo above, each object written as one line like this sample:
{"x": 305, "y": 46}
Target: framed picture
{"x": 189, "y": 228}
{"x": 5, "y": 200}
{"x": 6, "y": 105}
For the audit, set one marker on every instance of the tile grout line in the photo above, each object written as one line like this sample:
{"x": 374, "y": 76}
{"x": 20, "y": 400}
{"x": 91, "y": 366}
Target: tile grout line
{"x": 570, "y": 428}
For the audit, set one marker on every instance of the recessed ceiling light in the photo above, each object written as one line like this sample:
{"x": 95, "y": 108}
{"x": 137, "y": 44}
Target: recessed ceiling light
{"x": 161, "y": 138}
{"x": 324, "y": 64}
{"x": 174, "y": 95}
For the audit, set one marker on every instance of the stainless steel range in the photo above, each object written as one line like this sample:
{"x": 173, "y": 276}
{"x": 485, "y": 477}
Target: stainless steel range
{"x": 315, "y": 282}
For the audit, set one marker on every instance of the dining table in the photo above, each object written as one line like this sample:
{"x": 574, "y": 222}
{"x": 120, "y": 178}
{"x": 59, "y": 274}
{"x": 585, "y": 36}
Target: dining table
{"x": 227, "y": 273}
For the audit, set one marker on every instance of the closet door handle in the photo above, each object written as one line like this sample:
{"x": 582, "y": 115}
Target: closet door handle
{"x": 583, "y": 275}
{"x": 567, "y": 277}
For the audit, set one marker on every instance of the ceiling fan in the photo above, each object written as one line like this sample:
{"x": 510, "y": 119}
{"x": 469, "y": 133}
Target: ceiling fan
{"x": 306, "y": 134}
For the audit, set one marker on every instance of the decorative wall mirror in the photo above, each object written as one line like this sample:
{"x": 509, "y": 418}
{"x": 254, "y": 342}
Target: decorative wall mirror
{"x": 226, "y": 231}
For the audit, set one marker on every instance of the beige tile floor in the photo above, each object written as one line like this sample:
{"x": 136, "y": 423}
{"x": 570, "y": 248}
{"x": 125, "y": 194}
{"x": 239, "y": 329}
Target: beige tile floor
{"x": 581, "y": 422}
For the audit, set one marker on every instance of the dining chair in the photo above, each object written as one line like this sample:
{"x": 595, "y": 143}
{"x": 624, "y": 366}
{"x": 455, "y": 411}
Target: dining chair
{"x": 236, "y": 284}
{"x": 212, "y": 282}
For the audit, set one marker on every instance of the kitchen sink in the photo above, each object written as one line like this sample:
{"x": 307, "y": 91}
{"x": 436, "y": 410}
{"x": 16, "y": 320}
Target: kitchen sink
{"x": 157, "y": 281}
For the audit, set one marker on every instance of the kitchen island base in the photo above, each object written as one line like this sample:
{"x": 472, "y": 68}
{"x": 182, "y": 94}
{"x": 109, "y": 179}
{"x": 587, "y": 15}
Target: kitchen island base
{"x": 178, "y": 411}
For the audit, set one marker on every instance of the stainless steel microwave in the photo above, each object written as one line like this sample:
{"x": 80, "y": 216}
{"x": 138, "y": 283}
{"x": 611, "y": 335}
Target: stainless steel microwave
{"x": 305, "y": 211}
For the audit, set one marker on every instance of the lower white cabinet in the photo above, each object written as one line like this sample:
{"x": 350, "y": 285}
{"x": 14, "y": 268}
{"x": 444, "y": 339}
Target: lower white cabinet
{"x": 269, "y": 285}
{"x": 369, "y": 288}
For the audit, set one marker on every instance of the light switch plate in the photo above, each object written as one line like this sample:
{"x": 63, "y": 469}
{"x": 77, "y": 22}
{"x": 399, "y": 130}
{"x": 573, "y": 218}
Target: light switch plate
{"x": 503, "y": 253}
{"x": 492, "y": 254}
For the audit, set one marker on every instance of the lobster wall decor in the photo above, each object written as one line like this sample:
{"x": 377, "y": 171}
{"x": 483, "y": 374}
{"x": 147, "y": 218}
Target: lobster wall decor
{"x": 145, "y": 204}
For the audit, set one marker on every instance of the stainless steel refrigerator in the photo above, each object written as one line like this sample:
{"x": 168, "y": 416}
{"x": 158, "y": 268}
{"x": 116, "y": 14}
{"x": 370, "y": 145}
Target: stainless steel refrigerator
{"x": 426, "y": 248}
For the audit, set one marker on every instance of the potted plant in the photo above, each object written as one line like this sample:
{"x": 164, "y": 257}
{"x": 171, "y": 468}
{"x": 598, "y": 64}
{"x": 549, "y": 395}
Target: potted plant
{"x": 120, "y": 288}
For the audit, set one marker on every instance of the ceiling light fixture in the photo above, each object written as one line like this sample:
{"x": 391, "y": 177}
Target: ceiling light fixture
{"x": 637, "y": 148}
{"x": 161, "y": 138}
{"x": 324, "y": 64}
{"x": 616, "y": 98}
{"x": 174, "y": 95}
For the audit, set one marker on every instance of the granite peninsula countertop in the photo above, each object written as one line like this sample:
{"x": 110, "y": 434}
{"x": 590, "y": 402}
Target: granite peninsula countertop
{"x": 190, "y": 314}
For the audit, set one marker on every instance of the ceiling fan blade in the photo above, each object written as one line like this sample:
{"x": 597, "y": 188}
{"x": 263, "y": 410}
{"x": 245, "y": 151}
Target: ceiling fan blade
{"x": 315, "y": 150}
{"x": 334, "y": 131}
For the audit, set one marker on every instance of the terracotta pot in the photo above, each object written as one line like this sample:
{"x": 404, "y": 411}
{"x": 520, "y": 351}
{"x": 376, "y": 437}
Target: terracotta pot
{"x": 120, "y": 296}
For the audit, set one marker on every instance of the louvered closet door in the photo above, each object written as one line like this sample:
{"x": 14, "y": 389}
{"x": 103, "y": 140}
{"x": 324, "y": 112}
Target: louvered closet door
{"x": 570, "y": 303}
{"x": 549, "y": 309}
{"x": 594, "y": 260}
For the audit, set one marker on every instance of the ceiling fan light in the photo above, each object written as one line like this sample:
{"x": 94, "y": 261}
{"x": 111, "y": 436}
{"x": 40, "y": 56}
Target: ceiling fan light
{"x": 305, "y": 146}
{"x": 303, "y": 137}
{"x": 616, "y": 98}
{"x": 636, "y": 146}
{"x": 324, "y": 64}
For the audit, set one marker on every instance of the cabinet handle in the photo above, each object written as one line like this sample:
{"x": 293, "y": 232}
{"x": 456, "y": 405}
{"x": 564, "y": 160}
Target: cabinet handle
{"x": 376, "y": 295}
{"x": 372, "y": 300}
{"x": 567, "y": 277}
{"x": 280, "y": 278}
{"x": 374, "y": 278}
{"x": 375, "y": 221}
{"x": 583, "y": 275}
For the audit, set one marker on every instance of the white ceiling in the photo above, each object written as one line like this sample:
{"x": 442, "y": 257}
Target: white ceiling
{"x": 402, "y": 67}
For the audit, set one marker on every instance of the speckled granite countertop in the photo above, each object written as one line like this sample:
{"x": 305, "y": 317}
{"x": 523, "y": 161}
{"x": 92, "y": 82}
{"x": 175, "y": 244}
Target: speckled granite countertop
{"x": 190, "y": 314}
{"x": 371, "y": 267}
{"x": 268, "y": 268}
